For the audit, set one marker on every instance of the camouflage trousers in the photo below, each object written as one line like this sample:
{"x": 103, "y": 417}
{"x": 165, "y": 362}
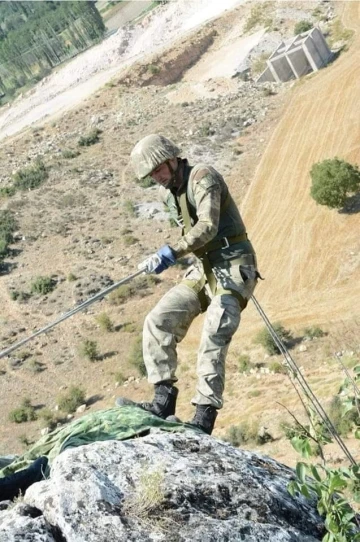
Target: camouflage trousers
{"x": 167, "y": 324}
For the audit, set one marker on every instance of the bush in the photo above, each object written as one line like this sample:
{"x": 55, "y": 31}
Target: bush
{"x": 34, "y": 366}
{"x": 277, "y": 367}
{"x": 31, "y": 177}
{"x": 343, "y": 423}
{"x": 49, "y": 418}
{"x": 71, "y": 400}
{"x": 8, "y": 225}
{"x": 243, "y": 433}
{"x": 24, "y": 413}
{"x": 265, "y": 339}
{"x": 244, "y": 363}
{"x": 120, "y": 377}
{"x": 333, "y": 181}
{"x": 126, "y": 291}
{"x": 136, "y": 356}
{"x": 130, "y": 240}
{"x": 42, "y": 285}
{"x": 302, "y": 26}
{"x": 69, "y": 153}
{"x": 153, "y": 69}
{"x": 314, "y": 332}
{"x": 90, "y": 138}
{"x": 105, "y": 322}
{"x": 89, "y": 350}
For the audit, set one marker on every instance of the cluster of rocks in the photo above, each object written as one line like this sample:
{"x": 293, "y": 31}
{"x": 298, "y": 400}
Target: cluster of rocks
{"x": 164, "y": 486}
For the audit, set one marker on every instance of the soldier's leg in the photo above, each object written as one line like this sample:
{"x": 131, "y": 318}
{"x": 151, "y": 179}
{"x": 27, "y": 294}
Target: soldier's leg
{"x": 221, "y": 322}
{"x": 164, "y": 327}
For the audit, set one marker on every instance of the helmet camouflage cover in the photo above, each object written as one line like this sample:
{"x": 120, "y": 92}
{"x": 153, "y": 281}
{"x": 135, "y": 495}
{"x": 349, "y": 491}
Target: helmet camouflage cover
{"x": 150, "y": 152}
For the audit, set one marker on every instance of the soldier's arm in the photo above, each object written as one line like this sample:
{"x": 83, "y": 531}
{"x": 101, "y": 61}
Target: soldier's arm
{"x": 207, "y": 194}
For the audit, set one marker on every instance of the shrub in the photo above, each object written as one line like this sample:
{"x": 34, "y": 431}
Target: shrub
{"x": 259, "y": 63}
{"x": 153, "y": 69}
{"x": 243, "y": 433}
{"x": 105, "y": 322}
{"x": 333, "y": 181}
{"x": 34, "y": 366}
{"x": 265, "y": 339}
{"x": 24, "y": 413}
{"x": 30, "y": 177}
{"x": 90, "y": 138}
{"x": 69, "y": 153}
{"x": 71, "y": 277}
{"x": 343, "y": 423}
{"x": 49, "y": 418}
{"x": 314, "y": 332}
{"x": 71, "y": 400}
{"x": 89, "y": 349}
{"x": 302, "y": 26}
{"x": 129, "y": 207}
{"x": 17, "y": 295}
{"x": 4, "y": 249}
{"x": 130, "y": 240}
{"x": 7, "y": 191}
{"x": 136, "y": 356}
{"x": 277, "y": 367}
{"x": 8, "y": 225}
{"x": 42, "y": 285}
{"x": 244, "y": 363}
{"x": 120, "y": 377}
{"x": 126, "y": 291}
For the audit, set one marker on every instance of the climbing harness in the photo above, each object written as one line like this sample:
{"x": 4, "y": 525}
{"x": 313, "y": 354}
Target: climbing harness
{"x": 79, "y": 308}
{"x": 297, "y": 376}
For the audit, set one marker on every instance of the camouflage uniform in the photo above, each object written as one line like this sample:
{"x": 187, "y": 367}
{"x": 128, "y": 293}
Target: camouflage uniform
{"x": 220, "y": 282}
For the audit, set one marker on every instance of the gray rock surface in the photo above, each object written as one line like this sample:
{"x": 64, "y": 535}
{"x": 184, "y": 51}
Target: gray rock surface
{"x": 164, "y": 486}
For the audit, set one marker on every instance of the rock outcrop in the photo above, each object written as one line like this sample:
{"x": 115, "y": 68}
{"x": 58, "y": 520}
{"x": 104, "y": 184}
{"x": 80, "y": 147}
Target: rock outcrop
{"x": 164, "y": 486}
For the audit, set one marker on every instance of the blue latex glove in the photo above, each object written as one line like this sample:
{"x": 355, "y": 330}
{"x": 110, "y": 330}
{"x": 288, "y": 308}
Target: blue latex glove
{"x": 157, "y": 263}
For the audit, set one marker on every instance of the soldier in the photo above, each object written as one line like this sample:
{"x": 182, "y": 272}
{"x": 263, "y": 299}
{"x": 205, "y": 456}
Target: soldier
{"x": 220, "y": 282}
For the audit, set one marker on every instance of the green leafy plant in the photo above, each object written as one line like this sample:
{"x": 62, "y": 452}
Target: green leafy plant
{"x": 105, "y": 322}
{"x": 314, "y": 332}
{"x": 31, "y": 177}
{"x": 333, "y": 181}
{"x": 277, "y": 367}
{"x": 136, "y": 356}
{"x": 244, "y": 363}
{"x": 24, "y": 413}
{"x": 71, "y": 400}
{"x": 265, "y": 339}
{"x": 89, "y": 350}
{"x": 69, "y": 153}
{"x": 302, "y": 26}
{"x": 243, "y": 433}
{"x": 90, "y": 138}
{"x": 42, "y": 285}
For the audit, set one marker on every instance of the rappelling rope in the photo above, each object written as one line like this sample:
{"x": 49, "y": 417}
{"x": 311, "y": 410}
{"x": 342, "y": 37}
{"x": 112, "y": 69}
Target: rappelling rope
{"x": 67, "y": 315}
{"x": 298, "y": 376}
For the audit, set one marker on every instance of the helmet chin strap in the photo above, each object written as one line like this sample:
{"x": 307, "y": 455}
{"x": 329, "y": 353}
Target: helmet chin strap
{"x": 173, "y": 177}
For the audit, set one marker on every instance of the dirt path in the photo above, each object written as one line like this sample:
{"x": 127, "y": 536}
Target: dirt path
{"x": 289, "y": 230}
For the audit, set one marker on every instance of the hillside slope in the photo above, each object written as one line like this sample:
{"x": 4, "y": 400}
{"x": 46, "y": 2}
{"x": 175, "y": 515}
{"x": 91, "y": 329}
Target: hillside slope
{"x": 309, "y": 254}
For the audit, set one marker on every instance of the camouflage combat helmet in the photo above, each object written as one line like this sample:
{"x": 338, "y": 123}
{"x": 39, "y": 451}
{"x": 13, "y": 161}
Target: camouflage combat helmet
{"x": 150, "y": 152}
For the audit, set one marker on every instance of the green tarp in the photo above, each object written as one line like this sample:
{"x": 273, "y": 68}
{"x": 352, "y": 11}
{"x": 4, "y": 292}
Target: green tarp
{"x": 118, "y": 423}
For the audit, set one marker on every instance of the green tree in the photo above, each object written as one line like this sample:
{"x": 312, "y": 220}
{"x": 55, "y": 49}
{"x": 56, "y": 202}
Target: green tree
{"x": 333, "y": 180}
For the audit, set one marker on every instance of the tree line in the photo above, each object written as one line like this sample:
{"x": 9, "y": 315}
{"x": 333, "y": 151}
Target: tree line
{"x": 37, "y": 36}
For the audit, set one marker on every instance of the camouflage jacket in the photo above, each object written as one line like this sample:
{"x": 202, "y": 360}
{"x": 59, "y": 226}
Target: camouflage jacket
{"x": 206, "y": 192}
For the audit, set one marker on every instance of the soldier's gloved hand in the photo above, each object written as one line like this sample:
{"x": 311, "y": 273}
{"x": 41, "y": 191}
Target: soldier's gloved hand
{"x": 157, "y": 263}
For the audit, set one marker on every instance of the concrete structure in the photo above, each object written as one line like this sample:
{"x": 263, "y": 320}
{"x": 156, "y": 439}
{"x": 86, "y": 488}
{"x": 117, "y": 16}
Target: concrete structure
{"x": 302, "y": 54}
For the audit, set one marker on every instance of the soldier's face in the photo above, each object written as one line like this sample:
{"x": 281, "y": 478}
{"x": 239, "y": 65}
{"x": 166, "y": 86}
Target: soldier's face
{"x": 163, "y": 175}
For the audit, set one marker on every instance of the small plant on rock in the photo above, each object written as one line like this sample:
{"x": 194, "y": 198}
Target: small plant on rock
{"x": 105, "y": 322}
{"x": 90, "y": 138}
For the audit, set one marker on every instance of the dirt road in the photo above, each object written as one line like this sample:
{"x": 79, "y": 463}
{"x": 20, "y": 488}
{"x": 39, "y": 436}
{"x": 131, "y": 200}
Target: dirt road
{"x": 289, "y": 230}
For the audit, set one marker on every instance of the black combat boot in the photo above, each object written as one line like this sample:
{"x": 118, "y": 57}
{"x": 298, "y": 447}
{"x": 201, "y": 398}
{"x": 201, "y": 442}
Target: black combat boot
{"x": 164, "y": 402}
{"x": 204, "y": 418}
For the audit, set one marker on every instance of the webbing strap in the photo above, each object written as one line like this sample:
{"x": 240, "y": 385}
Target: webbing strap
{"x": 215, "y": 288}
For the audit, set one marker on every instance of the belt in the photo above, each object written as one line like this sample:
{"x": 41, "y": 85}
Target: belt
{"x": 223, "y": 243}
